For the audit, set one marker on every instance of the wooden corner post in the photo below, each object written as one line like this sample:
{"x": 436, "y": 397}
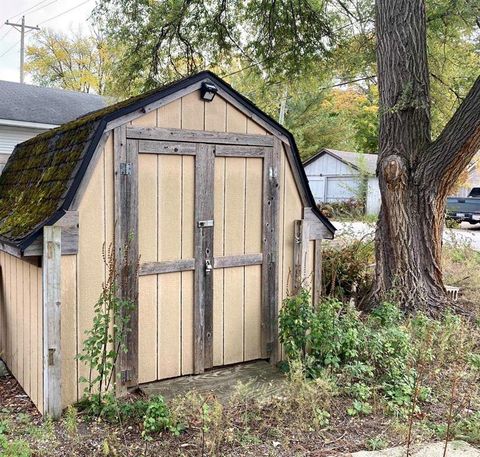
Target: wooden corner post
{"x": 126, "y": 250}
{"x": 52, "y": 254}
{"x": 270, "y": 270}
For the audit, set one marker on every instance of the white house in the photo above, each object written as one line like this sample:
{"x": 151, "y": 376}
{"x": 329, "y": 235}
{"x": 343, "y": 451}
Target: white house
{"x": 336, "y": 176}
{"x": 26, "y": 111}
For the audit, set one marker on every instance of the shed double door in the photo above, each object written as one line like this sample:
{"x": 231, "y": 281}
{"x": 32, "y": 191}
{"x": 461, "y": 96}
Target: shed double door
{"x": 201, "y": 242}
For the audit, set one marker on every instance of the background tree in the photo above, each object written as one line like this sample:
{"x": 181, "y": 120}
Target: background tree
{"x": 333, "y": 41}
{"x": 79, "y": 62}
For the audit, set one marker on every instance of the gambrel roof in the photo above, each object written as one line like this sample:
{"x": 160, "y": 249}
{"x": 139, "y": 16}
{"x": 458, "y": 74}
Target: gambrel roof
{"x": 43, "y": 174}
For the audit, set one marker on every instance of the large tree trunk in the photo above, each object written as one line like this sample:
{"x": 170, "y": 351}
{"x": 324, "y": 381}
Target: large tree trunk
{"x": 415, "y": 174}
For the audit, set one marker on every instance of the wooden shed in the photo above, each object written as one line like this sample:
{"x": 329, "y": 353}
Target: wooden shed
{"x": 211, "y": 195}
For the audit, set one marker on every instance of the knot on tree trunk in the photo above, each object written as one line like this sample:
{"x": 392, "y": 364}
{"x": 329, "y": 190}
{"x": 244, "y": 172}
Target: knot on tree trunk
{"x": 394, "y": 171}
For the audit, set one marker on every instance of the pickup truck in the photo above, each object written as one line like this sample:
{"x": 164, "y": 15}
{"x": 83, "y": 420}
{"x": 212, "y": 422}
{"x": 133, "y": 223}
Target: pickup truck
{"x": 465, "y": 209}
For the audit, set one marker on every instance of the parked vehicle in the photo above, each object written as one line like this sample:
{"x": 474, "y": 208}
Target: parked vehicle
{"x": 465, "y": 209}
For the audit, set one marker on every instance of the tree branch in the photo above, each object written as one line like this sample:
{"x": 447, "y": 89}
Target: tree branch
{"x": 455, "y": 147}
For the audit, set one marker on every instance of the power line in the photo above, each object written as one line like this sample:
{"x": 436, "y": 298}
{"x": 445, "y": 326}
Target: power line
{"x": 64, "y": 12}
{"x": 42, "y": 6}
{"x": 5, "y": 34}
{"x": 9, "y": 49}
{"x": 28, "y": 9}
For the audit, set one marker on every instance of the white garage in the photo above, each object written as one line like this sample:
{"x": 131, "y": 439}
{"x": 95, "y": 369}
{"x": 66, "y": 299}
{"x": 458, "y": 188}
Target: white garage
{"x": 336, "y": 176}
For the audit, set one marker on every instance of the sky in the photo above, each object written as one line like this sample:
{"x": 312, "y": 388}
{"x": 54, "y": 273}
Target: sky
{"x": 37, "y": 12}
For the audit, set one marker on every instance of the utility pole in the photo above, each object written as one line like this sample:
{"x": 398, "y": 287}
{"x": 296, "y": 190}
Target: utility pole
{"x": 21, "y": 28}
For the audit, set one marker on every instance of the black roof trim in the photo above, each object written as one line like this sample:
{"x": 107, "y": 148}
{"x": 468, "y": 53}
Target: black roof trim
{"x": 168, "y": 90}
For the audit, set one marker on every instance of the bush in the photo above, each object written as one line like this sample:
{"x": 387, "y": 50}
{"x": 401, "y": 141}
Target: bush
{"x": 370, "y": 354}
{"x": 405, "y": 362}
{"x": 348, "y": 209}
{"x": 347, "y": 269}
{"x": 158, "y": 418}
{"x": 113, "y": 410}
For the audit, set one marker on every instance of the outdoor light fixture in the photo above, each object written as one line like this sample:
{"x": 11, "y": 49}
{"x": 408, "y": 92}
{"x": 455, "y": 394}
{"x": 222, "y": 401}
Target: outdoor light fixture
{"x": 208, "y": 91}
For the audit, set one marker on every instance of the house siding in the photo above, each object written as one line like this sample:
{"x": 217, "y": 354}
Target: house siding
{"x": 10, "y": 136}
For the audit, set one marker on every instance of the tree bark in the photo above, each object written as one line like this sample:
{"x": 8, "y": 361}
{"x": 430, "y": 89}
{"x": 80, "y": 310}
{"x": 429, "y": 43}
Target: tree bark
{"x": 415, "y": 174}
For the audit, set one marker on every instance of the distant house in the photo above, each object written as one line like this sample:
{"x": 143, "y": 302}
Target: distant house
{"x": 26, "y": 111}
{"x": 336, "y": 176}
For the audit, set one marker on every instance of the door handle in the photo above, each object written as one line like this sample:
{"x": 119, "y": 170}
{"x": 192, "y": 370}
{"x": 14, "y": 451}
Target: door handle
{"x": 208, "y": 266}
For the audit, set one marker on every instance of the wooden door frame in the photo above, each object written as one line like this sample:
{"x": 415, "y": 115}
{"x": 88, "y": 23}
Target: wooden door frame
{"x": 128, "y": 143}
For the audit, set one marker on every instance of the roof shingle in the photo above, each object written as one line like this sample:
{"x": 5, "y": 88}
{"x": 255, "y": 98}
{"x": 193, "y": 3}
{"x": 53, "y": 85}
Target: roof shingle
{"x": 44, "y": 105}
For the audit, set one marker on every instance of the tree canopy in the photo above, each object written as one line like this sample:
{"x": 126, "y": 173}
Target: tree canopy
{"x": 317, "y": 57}
{"x": 79, "y": 62}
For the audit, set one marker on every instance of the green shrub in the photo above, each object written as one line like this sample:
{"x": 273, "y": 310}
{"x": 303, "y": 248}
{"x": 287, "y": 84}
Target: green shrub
{"x": 347, "y": 269}
{"x": 353, "y": 208}
{"x": 158, "y": 418}
{"x": 113, "y": 410}
{"x": 374, "y": 354}
{"x": 15, "y": 448}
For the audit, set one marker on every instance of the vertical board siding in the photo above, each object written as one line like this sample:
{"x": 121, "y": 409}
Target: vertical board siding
{"x": 193, "y": 112}
{"x": 166, "y": 228}
{"x": 91, "y": 244}
{"x": 169, "y": 337}
{"x": 169, "y": 207}
{"x": 148, "y": 329}
{"x": 253, "y": 313}
{"x": 69, "y": 329}
{"x": 21, "y": 324}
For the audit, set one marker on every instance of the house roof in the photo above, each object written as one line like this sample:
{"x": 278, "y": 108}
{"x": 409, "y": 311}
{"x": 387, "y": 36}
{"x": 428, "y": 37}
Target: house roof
{"x": 42, "y": 176}
{"x": 44, "y": 105}
{"x": 358, "y": 160}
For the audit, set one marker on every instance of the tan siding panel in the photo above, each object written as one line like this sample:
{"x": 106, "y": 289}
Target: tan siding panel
{"x": 234, "y": 206}
{"x": 91, "y": 268}
{"x": 39, "y": 403}
{"x": 187, "y": 322}
{"x": 216, "y": 115}
{"x": 169, "y": 207}
{"x": 34, "y": 349}
{"x": 21, "y": 320}
{"x": 218, "y": 322}
{"x": 253, "y": 206}
{"x": 169, "y": 304}
{"x": 193, "y": 112}
{"x": 252, "y": 317}
{"x": 188, "y": 206}
{"x": 219, "y": 207}
{"x": 147, "y": 207}
{"x": 254, "y": 128}
{"x": 69, "y": 329}
{"x": 148, "y": 327}
{"x": 233, "y": 314}
{"x": 236, "y": 120}
{"x": 147, "y": 120}
{"x": 170, "y": 116}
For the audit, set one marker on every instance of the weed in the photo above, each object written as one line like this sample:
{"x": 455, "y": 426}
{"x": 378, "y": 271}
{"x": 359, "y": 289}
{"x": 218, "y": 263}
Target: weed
{"x": 158, "y": 419}
{"x": 15, "y": 448}
{"x": 106, "y": 338}
{"x": 376, "y": 444}
{"x": 70, "y": 421}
